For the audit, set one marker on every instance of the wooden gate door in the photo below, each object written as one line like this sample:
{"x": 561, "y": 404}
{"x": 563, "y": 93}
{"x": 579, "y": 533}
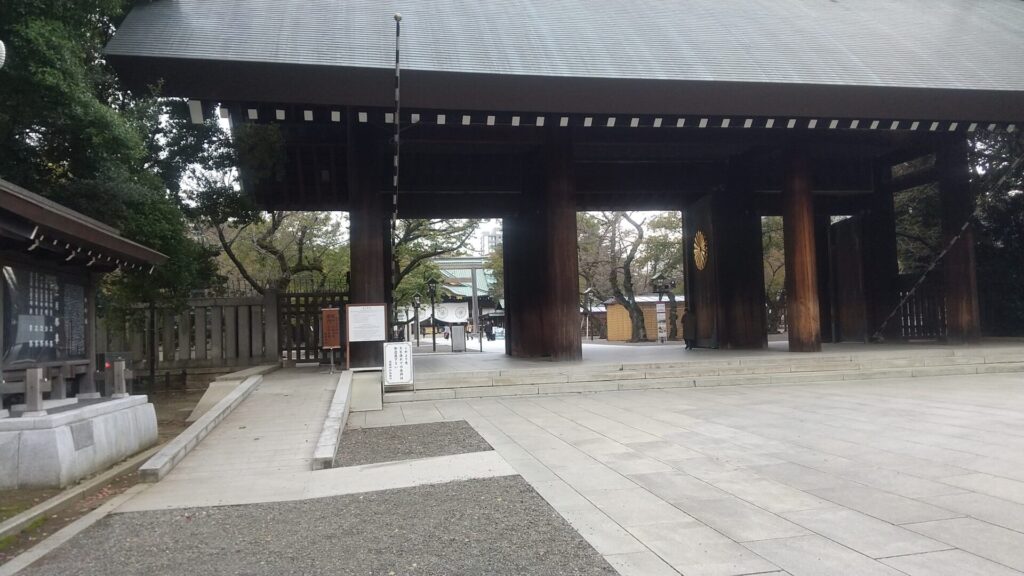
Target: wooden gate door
{"x": 298, "y": 324}
{"x": 849, "y": 309}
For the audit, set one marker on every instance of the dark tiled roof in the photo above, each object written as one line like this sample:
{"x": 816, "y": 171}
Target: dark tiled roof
{"x": 910, "y": 43}
{"x": 915, "y": 59}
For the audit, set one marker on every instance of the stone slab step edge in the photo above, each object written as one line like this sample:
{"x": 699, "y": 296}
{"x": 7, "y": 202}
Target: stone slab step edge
{"x": 168, "y": 457}
{"x": 700, "y": 382}
{"x": 262, "y": 370}
{"x": 326, "y": 453}
{"x": 531, "y": 376}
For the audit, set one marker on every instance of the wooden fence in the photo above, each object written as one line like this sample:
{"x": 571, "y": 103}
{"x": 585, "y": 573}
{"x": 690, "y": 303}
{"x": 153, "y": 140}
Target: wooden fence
{"x": 209, "y": 332}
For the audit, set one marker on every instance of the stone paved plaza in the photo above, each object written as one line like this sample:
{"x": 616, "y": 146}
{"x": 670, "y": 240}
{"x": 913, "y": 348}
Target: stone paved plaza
{"x": 914, "y": 476}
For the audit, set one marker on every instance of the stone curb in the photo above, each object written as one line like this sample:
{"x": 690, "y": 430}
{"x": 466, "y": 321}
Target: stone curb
{"x": 16, "y": 524}
{"x": 168, "y": 457}
{"x": 254, "y": 371}
{"x": 750, "y": 372}
{"x": 326, "y": 452}
{"x": 26, "y": 558}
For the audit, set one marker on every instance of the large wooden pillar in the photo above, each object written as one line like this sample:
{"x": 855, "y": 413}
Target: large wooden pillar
{"x": 525, "y": 281}
{"x": 801, "y": 257}
{"x": 961, "y": 284}
{"x": 541, "y": 262}
{"x": 368, "y": 234}
{"x": 562, "y": 309}
{"x": 742, "y": 323}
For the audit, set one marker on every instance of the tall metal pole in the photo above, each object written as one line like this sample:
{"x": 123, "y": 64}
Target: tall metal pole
{"x": 394, "y": 195}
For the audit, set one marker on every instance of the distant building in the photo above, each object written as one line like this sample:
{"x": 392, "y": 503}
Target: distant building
{"x": 620, "y": 329}
{"x": 489, "y": 241}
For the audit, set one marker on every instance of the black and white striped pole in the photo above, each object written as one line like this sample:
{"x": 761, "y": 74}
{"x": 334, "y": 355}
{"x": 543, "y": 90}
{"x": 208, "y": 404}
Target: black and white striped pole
{"x": 394, "y": 195}
{"x": 3, "y": 53}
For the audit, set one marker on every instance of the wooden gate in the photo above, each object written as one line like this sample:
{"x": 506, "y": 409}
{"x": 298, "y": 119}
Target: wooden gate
{"x": 298, "y": 324}
{"x": 923, "y": 315}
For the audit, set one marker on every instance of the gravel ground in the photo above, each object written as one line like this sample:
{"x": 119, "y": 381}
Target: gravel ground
{"x": 497, "y": 526}
{"x": 373, "y": 445}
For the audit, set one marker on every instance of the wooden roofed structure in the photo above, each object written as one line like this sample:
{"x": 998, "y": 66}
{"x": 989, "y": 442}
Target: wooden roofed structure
{"x": 51, "y": 259}
{"x": 530, "y": 111}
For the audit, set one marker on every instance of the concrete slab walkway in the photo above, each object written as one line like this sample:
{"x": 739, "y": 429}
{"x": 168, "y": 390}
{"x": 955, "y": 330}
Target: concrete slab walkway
{"x": 913, "y": 476}
{"x": 267, "y": 439}
{"x": 262, "y": 452}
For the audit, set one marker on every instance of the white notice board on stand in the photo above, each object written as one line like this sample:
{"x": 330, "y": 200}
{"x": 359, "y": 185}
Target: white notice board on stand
{"x": 365, "y": 323}
{"x": 398, "y": 363}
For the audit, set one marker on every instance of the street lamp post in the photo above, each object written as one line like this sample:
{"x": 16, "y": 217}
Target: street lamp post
{"x": 432, "y": 290}
{"x": 662, "y": 285}
{"x": 588, "y": 295}
{"x": 416, "y": 315}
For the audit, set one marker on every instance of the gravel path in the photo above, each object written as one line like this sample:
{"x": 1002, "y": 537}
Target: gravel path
{"x": 387, "y": 444}
{"x": 498, "y": 526}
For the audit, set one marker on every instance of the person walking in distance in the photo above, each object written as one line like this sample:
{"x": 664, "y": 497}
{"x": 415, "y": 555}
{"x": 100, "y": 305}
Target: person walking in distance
{"x": 689, "y": 329}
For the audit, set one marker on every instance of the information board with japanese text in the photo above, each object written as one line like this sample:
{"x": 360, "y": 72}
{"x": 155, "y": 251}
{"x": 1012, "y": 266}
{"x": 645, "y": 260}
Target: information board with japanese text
{"x": 367, "y": 323}
{"x": 330, "y": 324}
{"x": 398, "y": 363}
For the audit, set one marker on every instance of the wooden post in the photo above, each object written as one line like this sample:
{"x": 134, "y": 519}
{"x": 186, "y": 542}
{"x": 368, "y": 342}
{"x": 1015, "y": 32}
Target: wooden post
{"x": 231, "y": 333}
{"x": 256, "y": 330}
{"x": 120, "y": 386}
{"x": 200, "y": 333}
{"x": 368, "y": 234}
{"x": 271, "y": 342}
{"x": 34, "y": 392}
{"x": 244, "y": 339}
{"x": 184, "y": 346}
{"x": 542, "y": 316}
{"x": 87, "y": 381}
{"x": 735, "y": 247}
{"x": 963, "y": 324}
{"x": 167, "y": 340}
{"x": 217, "y": 333}
{"x": 561, "y": 318}
{"x": 801, "y": 256}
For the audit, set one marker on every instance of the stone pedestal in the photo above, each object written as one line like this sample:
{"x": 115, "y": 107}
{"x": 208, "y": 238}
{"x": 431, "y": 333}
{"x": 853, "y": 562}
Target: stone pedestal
{"x": 55, "y": 450}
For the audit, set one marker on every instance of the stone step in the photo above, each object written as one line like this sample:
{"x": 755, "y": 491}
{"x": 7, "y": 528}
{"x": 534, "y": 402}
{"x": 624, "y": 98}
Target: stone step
{"x": 648, "y": 376}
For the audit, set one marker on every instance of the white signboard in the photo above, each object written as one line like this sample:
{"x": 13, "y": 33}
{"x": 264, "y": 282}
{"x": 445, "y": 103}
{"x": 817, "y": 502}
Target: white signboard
{"x": 367, "y": 323}
{"x": 398, "y": 363}
{"x": 457, "y": 312}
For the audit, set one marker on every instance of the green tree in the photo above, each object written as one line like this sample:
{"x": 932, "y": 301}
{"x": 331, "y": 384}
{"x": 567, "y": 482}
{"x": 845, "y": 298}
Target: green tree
{"x": 69, "y": 132}
{"x": 608, "y": 246}
{"x": 417, "y": 242}
{"x": 496, "y": 264}
{"x": 662, "y": 254}
{"x": 773, "y": 249}
{"x": 998, "y": 160}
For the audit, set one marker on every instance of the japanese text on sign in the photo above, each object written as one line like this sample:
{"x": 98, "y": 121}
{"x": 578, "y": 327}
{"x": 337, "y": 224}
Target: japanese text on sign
{"x": 398, "y": 363}
{"x": 330, "y": 324}
{"x": 367, "y": 323}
